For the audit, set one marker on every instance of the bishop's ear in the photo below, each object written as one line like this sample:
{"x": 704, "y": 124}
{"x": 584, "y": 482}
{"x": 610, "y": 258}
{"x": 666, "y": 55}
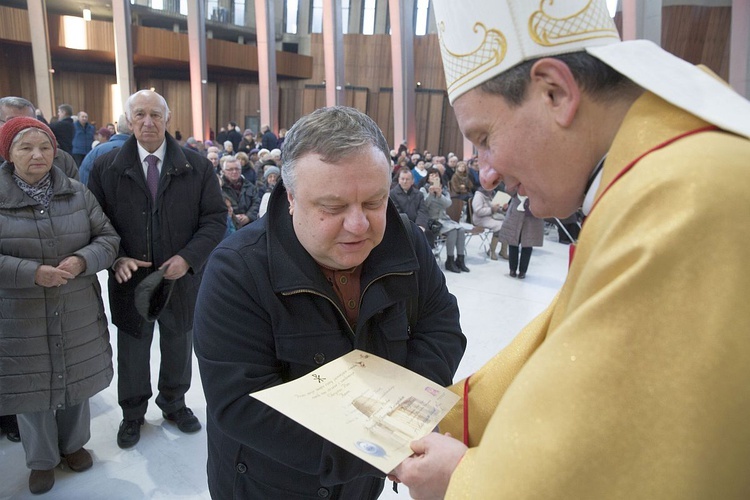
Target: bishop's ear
{"x": 554, "y": 82}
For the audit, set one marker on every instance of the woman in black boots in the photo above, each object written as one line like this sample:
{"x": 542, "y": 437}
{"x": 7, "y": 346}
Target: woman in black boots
{"x": 521, "y": 229}
{"x": 437, "y": 199}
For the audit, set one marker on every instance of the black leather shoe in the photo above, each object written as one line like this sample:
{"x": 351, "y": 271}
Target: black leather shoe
{"x": 512, "y": 274}
{"x": 521, "y": 276}
{"x": 129, "y": 433}
{"x": 185, "y": 420}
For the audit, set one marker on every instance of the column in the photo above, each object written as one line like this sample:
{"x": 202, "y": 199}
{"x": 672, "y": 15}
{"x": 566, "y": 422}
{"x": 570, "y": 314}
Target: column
{"x": 333, "y": 50}
{"x": 198, "y": 69}
{"x": 39, "y": 29}
{"x": 402, "y": 55}
{"x": 739, "y": 53}
{"x": 269, "y": 102}
{"x": 121, "y": 20}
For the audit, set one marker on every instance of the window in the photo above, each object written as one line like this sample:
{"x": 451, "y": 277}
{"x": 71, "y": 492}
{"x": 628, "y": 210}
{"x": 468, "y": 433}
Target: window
{"x": 239, "y": 12}
{"x": 420, "y": 27}
{"x": 316, "y": 19}
{"x": 368, "y": 17}
{"x": 292, "y": 10}
{"x": 345, "y": 16}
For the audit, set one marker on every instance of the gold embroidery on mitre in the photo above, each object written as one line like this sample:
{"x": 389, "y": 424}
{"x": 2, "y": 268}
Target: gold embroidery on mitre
{"x": 460, "y": 68}
{"x": 591, "y": 21}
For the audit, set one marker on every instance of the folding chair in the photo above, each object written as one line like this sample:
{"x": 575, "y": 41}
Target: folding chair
{"x": 437, "y": 249}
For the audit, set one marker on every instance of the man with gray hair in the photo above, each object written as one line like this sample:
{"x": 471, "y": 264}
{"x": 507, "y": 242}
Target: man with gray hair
{"x": 114, "y": 142}
{"x": 165, "y": 203}
{"x": 329, "y": 268}
{"x": 11, "y": 106}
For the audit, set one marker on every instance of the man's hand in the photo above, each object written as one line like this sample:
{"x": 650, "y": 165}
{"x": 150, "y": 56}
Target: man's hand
{"x": 125, "y": 267}
{"x": 178, "y": 267}
{"x": 74, "y": 264}
{"x": 428, "y": 472}
{"x": 48, "y": 276}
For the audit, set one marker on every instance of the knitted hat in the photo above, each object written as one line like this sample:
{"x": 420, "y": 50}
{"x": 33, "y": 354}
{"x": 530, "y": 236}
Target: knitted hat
{"x": 271, "y": 169}
{"x": 13, "y": 126}
{"x": 247, "y": 132}
{"x": 104, "y": 132}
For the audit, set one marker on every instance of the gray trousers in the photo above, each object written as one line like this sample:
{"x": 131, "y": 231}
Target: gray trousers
{"x": 47, "y": 434}
{"x": 455, "y": 239}
{"x": 134, "y": 370}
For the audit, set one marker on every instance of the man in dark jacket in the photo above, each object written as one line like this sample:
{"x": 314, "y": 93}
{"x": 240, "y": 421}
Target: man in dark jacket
{"x": 328, "y": 269}
{"x": 63, "y": 128}
{"x": 268, "y": 140}
{"x": 165, "y": 203}
{"x": 233, "y": 136}
{"x": 409, "y": 200}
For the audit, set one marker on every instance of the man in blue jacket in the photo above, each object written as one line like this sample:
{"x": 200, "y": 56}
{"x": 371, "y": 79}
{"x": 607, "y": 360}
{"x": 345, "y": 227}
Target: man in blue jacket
{"x": 83, "y": 137}
{"x": 114, "y": 142}
{"x": 328, "y": 269}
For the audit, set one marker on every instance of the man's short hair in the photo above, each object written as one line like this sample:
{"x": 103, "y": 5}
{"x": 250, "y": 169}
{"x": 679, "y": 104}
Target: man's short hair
{"x": 123, "y": 127}
{"x": 404, "y": 170}
{"x": 333, "y": 133}
{"x": 594, "y": 77}
{"x": 229, "y": 159}
{"x": 128, "y": 108}
{"x": 17, "y": 103}
{"x": 66, "y": 108}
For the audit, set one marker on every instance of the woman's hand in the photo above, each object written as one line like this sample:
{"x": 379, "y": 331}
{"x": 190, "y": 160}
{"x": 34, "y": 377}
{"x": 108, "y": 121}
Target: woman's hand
{"x": 74, "y": 264}
{"x": 48, "y": 276}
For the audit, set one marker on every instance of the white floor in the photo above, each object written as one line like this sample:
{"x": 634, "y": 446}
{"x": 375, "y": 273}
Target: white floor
{"x": 169, "y": 464}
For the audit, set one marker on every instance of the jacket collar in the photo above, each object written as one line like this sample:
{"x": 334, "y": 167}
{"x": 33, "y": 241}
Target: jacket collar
{"x": 174, "y": 161}
{"x": 292, "y": 268}
{"x": 11, "y": 196}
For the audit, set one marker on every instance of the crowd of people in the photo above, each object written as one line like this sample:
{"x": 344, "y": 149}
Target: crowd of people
{"x": 632, "y": 384}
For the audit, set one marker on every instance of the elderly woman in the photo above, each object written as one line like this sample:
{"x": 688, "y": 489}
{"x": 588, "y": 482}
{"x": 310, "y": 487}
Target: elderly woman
{"x": 54, "y": 345}
{"x": 437, "y": 199}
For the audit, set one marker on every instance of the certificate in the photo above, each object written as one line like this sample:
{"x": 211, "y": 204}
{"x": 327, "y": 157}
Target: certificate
{"x": 369, "y": 406}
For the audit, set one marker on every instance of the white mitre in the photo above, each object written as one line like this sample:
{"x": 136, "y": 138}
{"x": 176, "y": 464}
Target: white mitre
{"x": 480, "y": 39}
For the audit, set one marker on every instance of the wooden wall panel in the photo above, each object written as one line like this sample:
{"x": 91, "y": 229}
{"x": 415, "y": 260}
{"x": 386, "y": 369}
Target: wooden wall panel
{"x": 86, "y": 92}
{"x": 19, "y": 81}
{"x": 14, "y": 25}
{"x": 699, "y": 35}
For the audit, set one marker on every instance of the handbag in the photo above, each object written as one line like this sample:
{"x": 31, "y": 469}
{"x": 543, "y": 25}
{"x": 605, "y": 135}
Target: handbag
{"x": 434, "y": 225}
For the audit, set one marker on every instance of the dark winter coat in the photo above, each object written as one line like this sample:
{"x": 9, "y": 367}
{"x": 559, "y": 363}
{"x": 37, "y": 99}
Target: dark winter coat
{"x": 410, "y": 203}
{"x": 267, "y": 315}
{"x": 247, "y": 202}
{"x": 54, "y": 343}
{"x": 191, "y": 215}
{"x": 64, "y": 131}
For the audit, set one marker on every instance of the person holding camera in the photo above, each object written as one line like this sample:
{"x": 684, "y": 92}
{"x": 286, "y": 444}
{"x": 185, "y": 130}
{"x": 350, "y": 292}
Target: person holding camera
{"x": 437, "y": 199}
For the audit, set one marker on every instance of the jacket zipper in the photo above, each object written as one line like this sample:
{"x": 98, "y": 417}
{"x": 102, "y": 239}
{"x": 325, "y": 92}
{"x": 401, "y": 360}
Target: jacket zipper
{"x": 341, "y": 313}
